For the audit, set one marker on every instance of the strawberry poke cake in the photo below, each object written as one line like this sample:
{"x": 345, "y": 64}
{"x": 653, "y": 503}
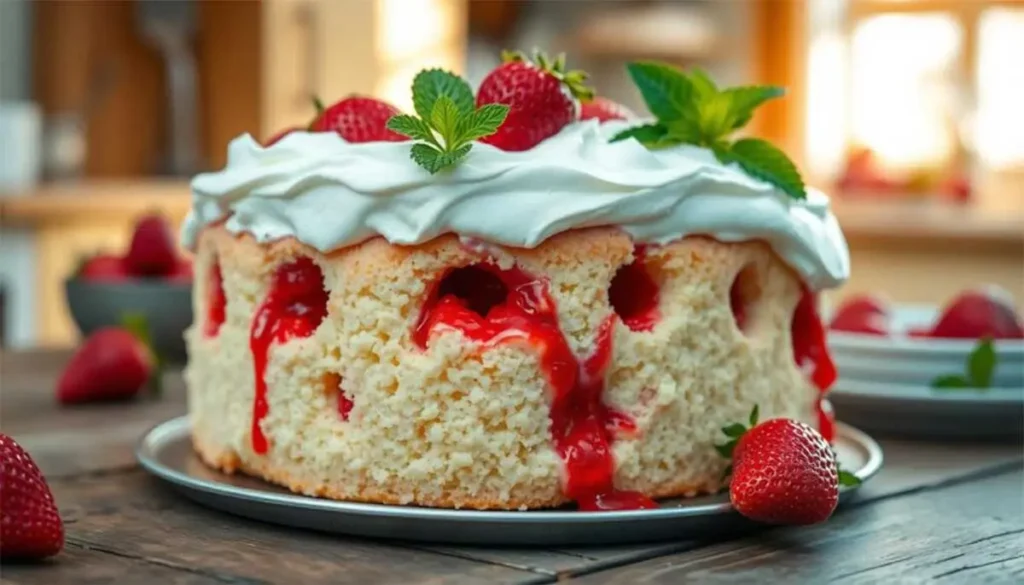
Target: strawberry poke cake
{"x": 512, "y": 298}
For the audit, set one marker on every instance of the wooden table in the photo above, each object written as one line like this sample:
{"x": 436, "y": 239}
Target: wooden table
{"x": 937, "y": 512}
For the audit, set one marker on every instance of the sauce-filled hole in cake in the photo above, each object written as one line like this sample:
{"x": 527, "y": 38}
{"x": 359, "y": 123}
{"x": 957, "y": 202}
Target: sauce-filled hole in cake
{"x": 744, "y": 297}
{"x": 810, "y": 352}
{"x": 216, "y": 301}
{"x": 634, "y": 294}
{"x": 294, "y": 307}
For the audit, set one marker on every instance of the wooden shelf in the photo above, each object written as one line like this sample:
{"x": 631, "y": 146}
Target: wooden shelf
{"x": 75, "y": 201}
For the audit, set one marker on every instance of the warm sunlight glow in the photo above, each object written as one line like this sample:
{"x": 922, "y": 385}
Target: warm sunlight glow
{"x": 1000, "y": 122}
{"x": 901, "y": 100}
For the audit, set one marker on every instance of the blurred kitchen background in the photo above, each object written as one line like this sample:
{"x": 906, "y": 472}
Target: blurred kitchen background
{"x": 910, "y": 112}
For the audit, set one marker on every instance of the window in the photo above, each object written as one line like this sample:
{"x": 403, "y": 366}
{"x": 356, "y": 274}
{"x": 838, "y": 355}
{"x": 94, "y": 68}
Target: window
{"x": 922, "y": 86}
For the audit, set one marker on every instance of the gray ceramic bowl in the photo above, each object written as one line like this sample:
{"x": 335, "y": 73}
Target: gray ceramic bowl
{"x": 167, "y": 307}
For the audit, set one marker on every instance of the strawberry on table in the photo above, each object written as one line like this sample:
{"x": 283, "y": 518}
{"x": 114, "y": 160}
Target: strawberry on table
{"x": 358, "y": 119}
{"x": 783, "y": 472}
{"x": 603, "y": 109}
{"x": 104, "y": 268}
{"x": 541, "y": 95}
{"x": 112, "y": 363}
{"x": 30, "y": 524}
{"x": 152, "y": 251}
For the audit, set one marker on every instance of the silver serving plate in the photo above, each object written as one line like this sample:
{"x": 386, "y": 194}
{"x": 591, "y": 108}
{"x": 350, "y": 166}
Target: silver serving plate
{"x": 166, "y": 452}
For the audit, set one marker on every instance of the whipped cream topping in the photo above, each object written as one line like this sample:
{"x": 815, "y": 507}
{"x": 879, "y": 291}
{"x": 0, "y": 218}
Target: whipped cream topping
{"x": 328, "y": 193}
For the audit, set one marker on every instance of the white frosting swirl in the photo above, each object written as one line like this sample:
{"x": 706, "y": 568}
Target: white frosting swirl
{"x": 328, "y": 193}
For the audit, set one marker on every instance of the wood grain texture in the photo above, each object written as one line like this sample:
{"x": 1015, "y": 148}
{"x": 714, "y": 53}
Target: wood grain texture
{"x": 83, "y": 566}
{"x": 133, "y": 515}
{"x": 967, "y": 533}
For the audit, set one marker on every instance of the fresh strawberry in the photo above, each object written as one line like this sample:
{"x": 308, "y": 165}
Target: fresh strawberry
{"x": 603, "y": 109}
{"x": 277, "y": 137}
{"x": 112, "y": 363}
{"x": 30, "y": 525}
{"x": 104, "y": 268}
{"x": 783, "y": 472}
{"x": 182, "y": 271}
{"x": 152, "y": 251}
{"x": 868, "y": 314}
{"x": 358, "y": 119}
{"x": 542, "y": 98}
{"x": 984, "y": 312}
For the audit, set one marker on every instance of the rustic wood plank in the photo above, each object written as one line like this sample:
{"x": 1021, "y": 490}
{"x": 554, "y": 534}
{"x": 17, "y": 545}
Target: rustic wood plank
{"x": 131, "y": 514}
{"x": 81, "y": 566}
{"x": 969, "y": 532}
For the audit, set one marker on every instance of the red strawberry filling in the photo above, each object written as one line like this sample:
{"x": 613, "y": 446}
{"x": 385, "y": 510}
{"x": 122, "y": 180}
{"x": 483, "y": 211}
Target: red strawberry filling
{"x": 216, "y": 302}
{"x": 490, "y": 306}
{"x": 810, "y": 351}
{"x": 332, "y": 386}
{"x": 294, "y": 307}
{"x": 634, "y": 294}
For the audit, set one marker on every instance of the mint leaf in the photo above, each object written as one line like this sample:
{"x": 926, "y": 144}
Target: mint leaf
{"x": 483, "y": 122}
{"x": 448, "y": 122}
{"x": 444, "y": 117}
{"x": 726, "y": 449}
{"x": 744, "y": 100}
{"x": 982, "y": 363}
{"x": 431, "y": 84}
{"x": 847, "y": 479}
{"x": 702, "y": 83}
{"x": 754, "y": 412}
{"x": 763, "y": 160}
{"x": 950, "y": 382}
{"x": 648, "y": 134}
{"x": 666, "y": 91}
{"x": 411, "y": 126}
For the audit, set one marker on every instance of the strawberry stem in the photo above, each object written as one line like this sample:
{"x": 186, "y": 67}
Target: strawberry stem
{"x": 574, "y": 79}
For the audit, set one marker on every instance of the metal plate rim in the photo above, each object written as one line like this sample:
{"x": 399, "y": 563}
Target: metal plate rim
{"x": 163, "y": 433}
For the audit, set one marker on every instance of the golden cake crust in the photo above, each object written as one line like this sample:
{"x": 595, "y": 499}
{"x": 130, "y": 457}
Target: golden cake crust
{"x": 459, "y": 427}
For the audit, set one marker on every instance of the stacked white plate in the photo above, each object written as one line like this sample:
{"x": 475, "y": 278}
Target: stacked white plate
{"x": 885, "y": 383}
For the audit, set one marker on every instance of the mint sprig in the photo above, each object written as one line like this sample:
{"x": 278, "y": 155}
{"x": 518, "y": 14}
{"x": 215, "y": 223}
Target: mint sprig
{"x": 978, "y": 371}
{"x": 691, "y": 109}
{"x": 446, "y": 122}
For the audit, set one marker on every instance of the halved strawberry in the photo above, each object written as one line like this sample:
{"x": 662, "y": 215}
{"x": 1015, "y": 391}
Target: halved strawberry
{"x": 358, "y": 119}
{"x": 541, "y": 95}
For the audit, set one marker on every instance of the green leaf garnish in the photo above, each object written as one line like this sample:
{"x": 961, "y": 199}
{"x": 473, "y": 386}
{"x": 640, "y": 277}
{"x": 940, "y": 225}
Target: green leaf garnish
{"x": 763, "y": 160}
{"x": 847, "y": 479}
{"x": 691, "y": 109}
{"x": 980, "y": 366}
{"x": 138, "y": 326}
{"x": 734, "y": 432}
{"x": 446, "y": 122}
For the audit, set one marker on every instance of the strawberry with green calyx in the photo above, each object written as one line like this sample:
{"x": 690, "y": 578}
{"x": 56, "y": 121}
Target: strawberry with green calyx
{"x": 112, "y": 363}
{"x": 782, "y": 472}
{"x": 446, "y": 122}
{"x": 691, "y": 109}
{"x": 981, "y": 365}
{"x": 542, "y": 97}
{"x": 357, "y": 119}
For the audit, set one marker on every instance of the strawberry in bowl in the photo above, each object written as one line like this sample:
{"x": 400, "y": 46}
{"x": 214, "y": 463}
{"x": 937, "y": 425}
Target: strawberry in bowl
{"x": 150, "y": 280}
{"x": 865, "y": 314}
{"x": 978, "y": 313}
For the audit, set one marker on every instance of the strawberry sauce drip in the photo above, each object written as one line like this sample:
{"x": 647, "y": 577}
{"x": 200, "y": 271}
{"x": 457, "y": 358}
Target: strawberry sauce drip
{"x": 634, "y": 294}
{"x": 810, "y": 351}
{"x": 216, "y": 303}
{"x": 490, "y": 306}
{"x": 294, "y": 307}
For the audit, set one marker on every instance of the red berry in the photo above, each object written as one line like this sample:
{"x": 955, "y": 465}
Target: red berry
{"x": 866, "y": 314}
{"x": 359, "y": 119}
{"x": 784, "y": 472}
{"x": 277, "y": 137}
{"x": 980, "y": 313}
{"x": 603, "y": 109}
{"x": 152, "y": 251}
{"x": 30, "y": 525}
{"x": 542, "y": 99}
{"x": 111, "y": 364}
{"x": 182, "y": 271}
{"x": 104, "y": 268}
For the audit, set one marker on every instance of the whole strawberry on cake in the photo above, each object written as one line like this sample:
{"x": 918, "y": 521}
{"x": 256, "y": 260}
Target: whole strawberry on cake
{"x": 517, "y": 297}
